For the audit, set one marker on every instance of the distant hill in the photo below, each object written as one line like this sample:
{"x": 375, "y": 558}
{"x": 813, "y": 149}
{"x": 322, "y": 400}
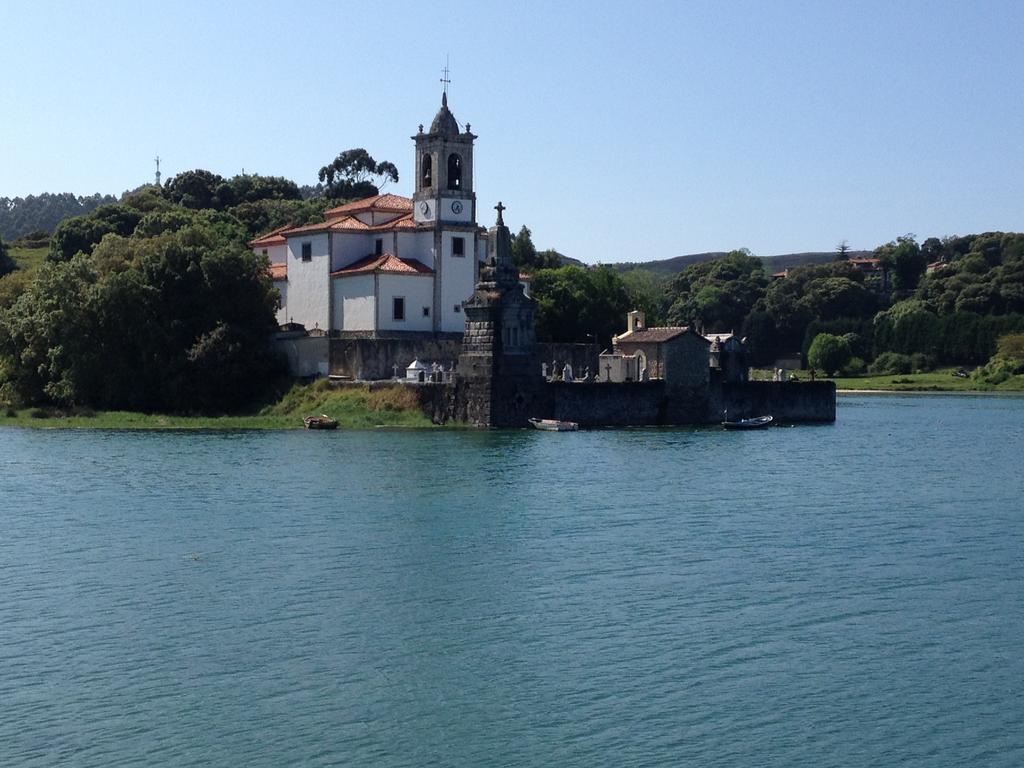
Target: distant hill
{"x": 672, "y": 267}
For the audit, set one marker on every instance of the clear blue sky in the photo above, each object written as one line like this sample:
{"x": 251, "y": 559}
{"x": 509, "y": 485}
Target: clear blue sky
{"x": 625, "y": 131}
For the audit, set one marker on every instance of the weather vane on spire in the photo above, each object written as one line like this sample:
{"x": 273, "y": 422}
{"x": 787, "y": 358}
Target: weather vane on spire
{"x": 444, "y": 80}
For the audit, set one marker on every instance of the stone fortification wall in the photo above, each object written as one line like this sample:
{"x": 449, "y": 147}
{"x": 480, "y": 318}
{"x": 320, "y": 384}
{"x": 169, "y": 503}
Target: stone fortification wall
{"x": 805, "y": 401}
{"x": 580, "y": 356}
{"x": 375, "y": 358}
{"x": 604, "y": 404}
{"x": 648, "y": 403}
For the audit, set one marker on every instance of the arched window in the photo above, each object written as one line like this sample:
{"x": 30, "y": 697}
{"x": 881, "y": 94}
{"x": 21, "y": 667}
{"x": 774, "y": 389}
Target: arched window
{"x": 428, "y": 171}
{"x": 454, "y": 171}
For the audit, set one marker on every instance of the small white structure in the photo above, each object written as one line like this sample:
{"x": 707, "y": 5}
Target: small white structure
{"x": 617, "y": 368}
{"x": 416, "y": 371}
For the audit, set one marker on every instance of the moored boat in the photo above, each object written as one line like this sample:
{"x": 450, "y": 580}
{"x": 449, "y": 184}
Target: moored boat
{"x": 554, "y": 425}
{"x": 759, "y": 422}
{"x": 323, "y": 421}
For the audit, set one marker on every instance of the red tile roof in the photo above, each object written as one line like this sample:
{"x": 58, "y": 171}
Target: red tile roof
{"x": 279, "y": 271}
{"x": 384, "y": 263}
{"x": 352, "y": 224}
{"x": 389, "y": 203}
{"x": 652, "y": 335}
{"x": 273, "y": 237}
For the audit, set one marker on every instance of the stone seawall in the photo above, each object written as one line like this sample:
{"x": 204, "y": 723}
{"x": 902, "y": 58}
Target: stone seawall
{"x": 629, "y": 404}
{"x": 787, "y": 401}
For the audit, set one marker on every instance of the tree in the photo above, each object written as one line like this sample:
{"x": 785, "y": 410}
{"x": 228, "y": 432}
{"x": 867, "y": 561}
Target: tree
{"x": 355, "y": 174}
{"x": 843, "y": 251}
{"x": 524, "y": 253}
{"x": 177, "y": 322}
{"x": 83, "y": 233}
{"x": 717, "y": 294}
{"x": 577, "y": 305}
{"x": 195, "y": 189}
{"x": 6, "y": 262}
{"x": 828, "y": 353}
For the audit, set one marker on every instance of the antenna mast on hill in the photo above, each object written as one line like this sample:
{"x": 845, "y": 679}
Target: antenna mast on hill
{"x": 158, "y": 170}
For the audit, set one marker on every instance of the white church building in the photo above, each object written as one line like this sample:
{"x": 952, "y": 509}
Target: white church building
{"x": 388, "y": 264}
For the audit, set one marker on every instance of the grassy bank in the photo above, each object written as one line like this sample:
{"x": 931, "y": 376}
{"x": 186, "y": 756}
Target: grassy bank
{"x": 941, "y": 380}
{"x": 28, "y": 258}
{"x": 353, "y": 407}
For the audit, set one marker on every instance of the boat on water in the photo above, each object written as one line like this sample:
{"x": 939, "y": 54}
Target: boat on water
{"x": 323, "y": 421}
{"x": 759, "y": 422}
{"x": 554, "y": 425}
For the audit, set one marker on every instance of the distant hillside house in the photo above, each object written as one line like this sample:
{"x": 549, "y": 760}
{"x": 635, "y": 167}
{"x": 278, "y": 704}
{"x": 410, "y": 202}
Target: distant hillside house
{"x": 388, "y": 264}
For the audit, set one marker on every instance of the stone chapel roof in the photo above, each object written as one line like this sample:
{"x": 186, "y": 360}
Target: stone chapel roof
{"x": 444, "y": 121}
{"x": 651, "y": 335}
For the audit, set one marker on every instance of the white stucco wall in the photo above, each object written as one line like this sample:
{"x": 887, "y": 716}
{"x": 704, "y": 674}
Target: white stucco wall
{"x": 309, "y": 283}
{"x": 350, "y": 247}
{"x": 418, "y": 291}
{"x": 276, "y": 254}
{"x": 354, "y": 303}
{"x": 464, "y": 216}
{"x": 282, "y": 304}
{"x": 458, "y": 281}
{"x": 417, "y": 245}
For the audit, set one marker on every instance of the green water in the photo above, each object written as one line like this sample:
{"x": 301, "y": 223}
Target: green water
{"x": 836, "y": 595}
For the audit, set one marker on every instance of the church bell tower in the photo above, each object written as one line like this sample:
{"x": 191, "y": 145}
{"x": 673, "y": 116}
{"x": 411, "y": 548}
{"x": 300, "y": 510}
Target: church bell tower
{"x": 444, "y": 171}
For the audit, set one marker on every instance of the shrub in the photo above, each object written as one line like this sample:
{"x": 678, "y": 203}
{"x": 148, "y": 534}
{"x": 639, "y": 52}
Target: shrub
{"x": 921, "y": 363}
{"x": 891, "y": 363}
{"x": 828, "y": 353}
{"x": 855, "y": 367}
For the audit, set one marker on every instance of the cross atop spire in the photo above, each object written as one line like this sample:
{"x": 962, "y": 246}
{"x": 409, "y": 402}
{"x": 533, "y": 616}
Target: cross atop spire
{"x": 445, "y": 82}
{"x": 499, "y": 208}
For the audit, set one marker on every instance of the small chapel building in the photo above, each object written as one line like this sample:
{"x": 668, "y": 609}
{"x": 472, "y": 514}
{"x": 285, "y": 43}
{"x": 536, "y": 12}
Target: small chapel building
{"x": 388, "y": 265}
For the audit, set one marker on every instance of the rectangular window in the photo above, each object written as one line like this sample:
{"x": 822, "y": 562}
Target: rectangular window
{"x": 378, "y": 247}
{"x": 458, "y": 307}
{"x": 398, "y": 308}
{"x": 307, "y": 251}
{"x": 264, "y": 251}
{"x": 426, "y": 311}
{"x": 458, "y": 246}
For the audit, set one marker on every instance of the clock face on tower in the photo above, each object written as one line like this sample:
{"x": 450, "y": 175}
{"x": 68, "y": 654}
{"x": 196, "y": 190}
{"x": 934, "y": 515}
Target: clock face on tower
{"x": 425, "y": 208}
{"x": 456, "y": 206}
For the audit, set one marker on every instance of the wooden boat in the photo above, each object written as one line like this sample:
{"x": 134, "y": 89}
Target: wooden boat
{"x": 553, "y": 425}
{"x": 759, "y": 422}
{"x": 323, "y": 421}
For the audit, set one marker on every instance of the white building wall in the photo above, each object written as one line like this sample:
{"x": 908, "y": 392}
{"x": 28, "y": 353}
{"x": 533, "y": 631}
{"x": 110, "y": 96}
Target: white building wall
{"x": 350, "y": 247}
{"x": 418, "y": 292}
{"x": 457, "y": 282}
{"x": 276, "y": 254}
{"x": 282, "y": 302}
{"x": 417, "y": 245}
{"x": 355, "y": 306}
{"x": 309, "y": 282}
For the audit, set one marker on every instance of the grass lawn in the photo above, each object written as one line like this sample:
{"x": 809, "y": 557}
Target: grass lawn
{"x": 941, "y": 380}
{"x": 29, "y": 258}
{"x": 353, "y": 407}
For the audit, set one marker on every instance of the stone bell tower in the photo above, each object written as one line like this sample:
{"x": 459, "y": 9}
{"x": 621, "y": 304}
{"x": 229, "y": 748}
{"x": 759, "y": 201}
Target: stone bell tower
{"x": 499, "y": 369}
{"x": 444, "y": 171}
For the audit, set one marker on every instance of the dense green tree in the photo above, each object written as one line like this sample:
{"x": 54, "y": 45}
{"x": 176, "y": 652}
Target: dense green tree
{"x": 196, "y": 189}
{"x": 647, "y": 292}
{"x": 175, "y": 322}
{"x": 524, "y": 253}
{"x": 828, "y": 353}
{"x": 843, "y": 251}
{"x": 21, "y": 215}
{"x": 717, "y": 294}
{"x": 83, "y": 233}
{"x": 577, "y": 305}
{"x": 355, "y": 174}
{"x": 6, "y": 262}
{"x": 759, "y": 331}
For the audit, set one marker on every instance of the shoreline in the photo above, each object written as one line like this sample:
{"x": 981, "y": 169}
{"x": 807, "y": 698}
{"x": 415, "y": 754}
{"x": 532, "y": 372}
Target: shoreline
{"x": 964, "y": 392}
